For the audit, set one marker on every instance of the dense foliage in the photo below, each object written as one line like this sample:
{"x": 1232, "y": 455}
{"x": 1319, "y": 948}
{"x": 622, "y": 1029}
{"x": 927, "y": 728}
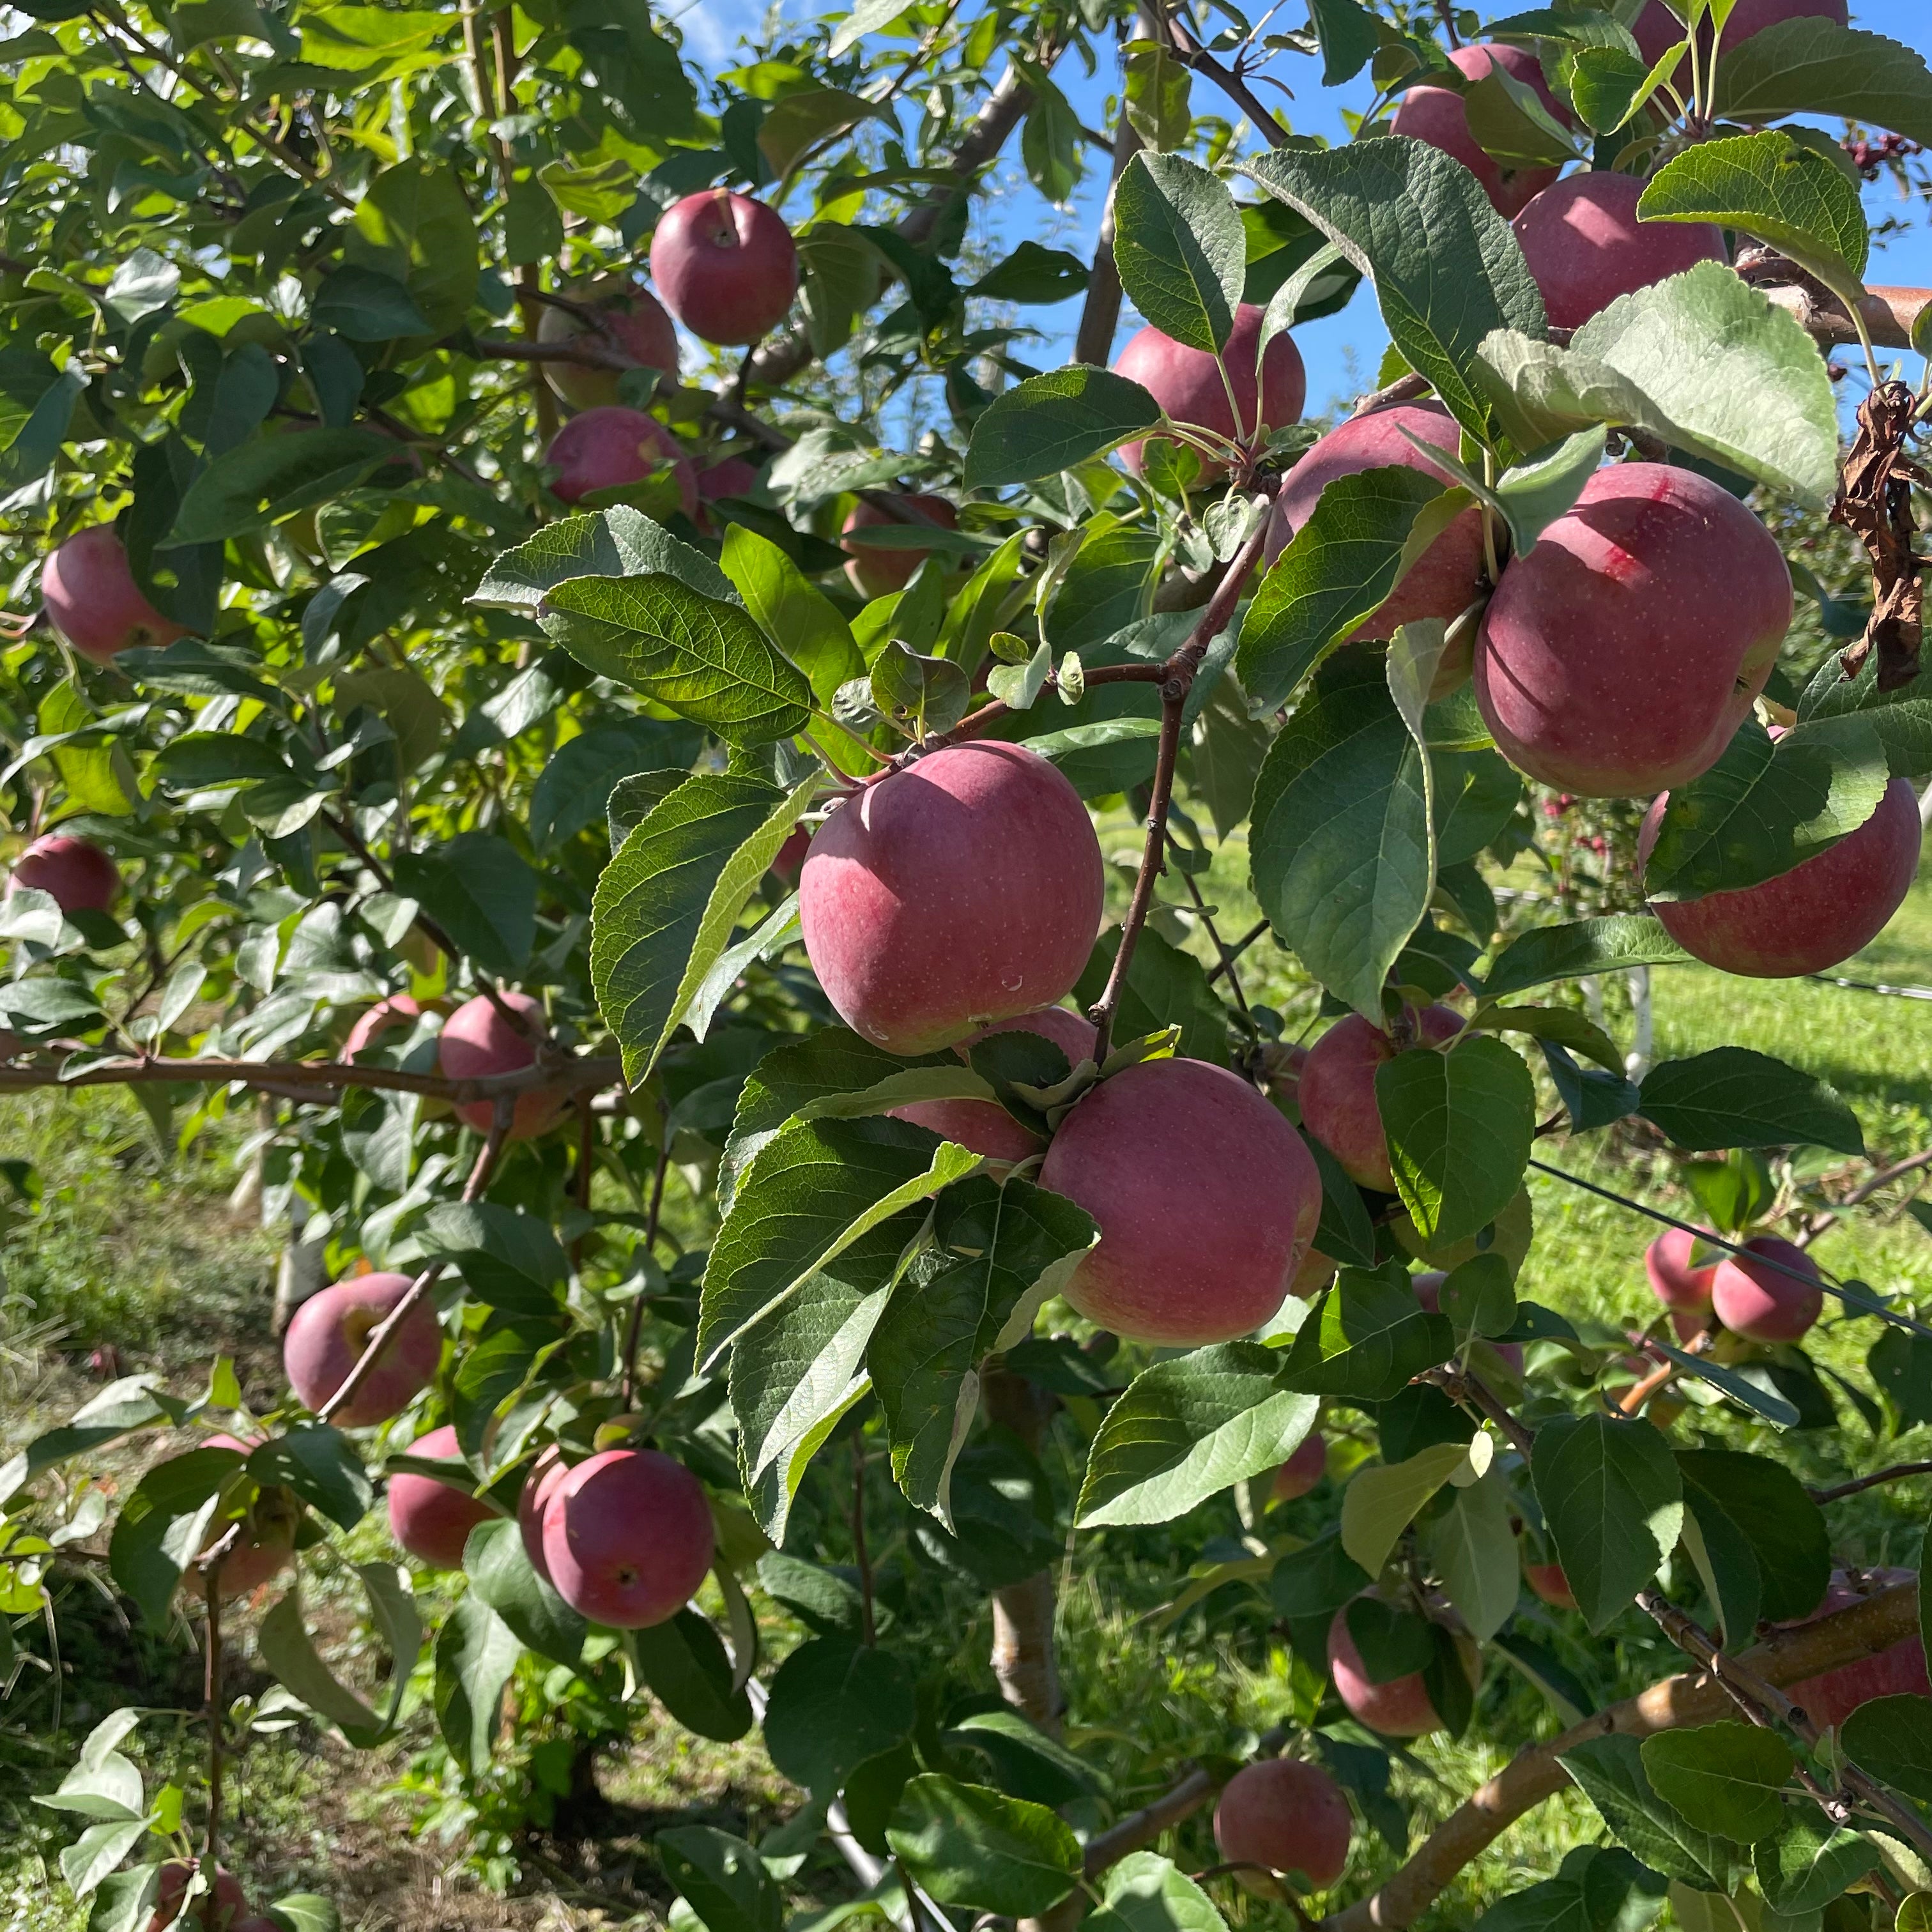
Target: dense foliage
{"x": 423, "y": 689}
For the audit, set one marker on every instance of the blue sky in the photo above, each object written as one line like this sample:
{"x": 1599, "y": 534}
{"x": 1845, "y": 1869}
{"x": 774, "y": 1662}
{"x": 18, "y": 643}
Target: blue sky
{"x": 1341, "y": 351}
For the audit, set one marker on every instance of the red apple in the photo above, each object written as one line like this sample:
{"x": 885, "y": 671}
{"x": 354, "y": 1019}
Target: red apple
{"x": 726, "y": 265}
{"x": 327, "y": 1334}
{"x": 433, "y": 1520}
{"x": 1439, "y": 116}
{"x": 605, "y": 448}
{"x": 75, "y": 873}
{"x": 1762, "y": 1302}
{"x": 876, "y": 570}
{"x": 1188, "y": 385}
{"x": 478, "y": 1042}
{"x": 1618, "y": 656}
{"x": 732, "y": 476}
{"x": 218, "y": 1911}
{"x": 984, "y": 1126}
{"x": 266, "y": 1546}
{"x": 1448, "y": 577}
{"x": 1338, "y": 1090}
{"x": 1399, "y": 1708}
{"x": 790, "y": 859}
{"x": 539, "y": 1486}
{"x": 1814, "y": 916}
{"x": 627, "y": 1536}
{"x": 399, "y": 1009}
{"x": 1658, "y": 29}
{"x": 88, "y": 591}
{"x": 1207, "y": 1200}
{"x": 1287, "y": 1816}
{"x": 630, "y": 322}
{"x": 1831, "y": 1697}
{"x": 1586, "y": 246}
{"x": 1675, "y": 1279}
{"x": 1548, "y": 1582}
{"x": 1302, "y": 1470}
{"x": 965, "y": 889}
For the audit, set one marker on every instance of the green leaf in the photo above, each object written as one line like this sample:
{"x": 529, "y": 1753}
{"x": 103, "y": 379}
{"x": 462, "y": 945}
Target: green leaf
{"x": 1472, "y": 1547}
{"x": 795, "y": 121}
{"x": 1781, "y": 190}
{"x": 668, "y": 903}
{"x": 163, "y": 1525}
{"x": 1180, "y": 246}
{"x": 1887, "y": 1736}
{"x": 619, "y": 542}
{"x": 1381, "y": 1502}
{"x": 1028, "y": 1763}
{"x": 1817, "y": 66}
{"x": 1367, "y": 1338}
{"x": 1114, "y": 754}
{"x": 270, "y": 477}
{"x": 1811, "y": 1861}
{"x": 36, "y": 443}
{"x": 683, "y": 1661}
{"x": 323, "y": 1468}
{"x": 412, "y": 223}
{"x": 1447, "y": 269}
{"x": 1589, "y": 1893}
{"x": 971, "y": 1846}
{"x": 1763, "y": 809}
{"x": 834, "y": 1702}
{"x": 1004, "y": 1250}
{"x": 1053, "y": 422}
{"x": 365, "y": 305}
{"x": 501, "y": 1574}
{"x": 811, "y": 1192}
{"x": 1609, "y": 1770}
{"x": 575, "y": 787}
{"x": 476, "y": 1653}
{"x": 1732, "y": 1097}
{"x": 1339, "y": 846}
{"x": 1701, "y": 360}
{"x": 125, "y": 1901}
{"x": 483, "y": 894}
{"x": 1613, "y": 1501}
{"x": 722, "y": 1879}
{"x": 86, "y": 1862}
{"x": 1459, "y": 1125}
{"x": 1729, "y": 1776}
{"x": 1335, "y": 574}
{"x": 785, "y": 604}
{"x": 1348, "y": 32}
{"x": 1158, "y": 87}
{"x": 1612, "y": 944}
{"x": 1188, "y": 1428}
{"x": 1165, "y": 987}
{"x": 703, "y": 657}
{"x": 290, "y": 1653}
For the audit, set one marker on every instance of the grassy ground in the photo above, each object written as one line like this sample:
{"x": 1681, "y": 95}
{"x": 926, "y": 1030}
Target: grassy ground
{"x": 138, "y": 1250}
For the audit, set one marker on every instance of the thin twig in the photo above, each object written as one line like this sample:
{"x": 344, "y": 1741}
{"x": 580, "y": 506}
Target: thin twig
{"x": 1235, "y": 952}
{"x": 1898, "y": 1473}
{"x": 634, "y": 1327}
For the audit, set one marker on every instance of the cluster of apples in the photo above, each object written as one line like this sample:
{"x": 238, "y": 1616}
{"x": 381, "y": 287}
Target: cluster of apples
{"x": 1768, "y": 1291}
{"x": 223, "y": 1907}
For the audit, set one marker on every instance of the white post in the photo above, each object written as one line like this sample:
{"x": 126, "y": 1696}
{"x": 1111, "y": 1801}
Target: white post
{"x": 1636, "y": 1062}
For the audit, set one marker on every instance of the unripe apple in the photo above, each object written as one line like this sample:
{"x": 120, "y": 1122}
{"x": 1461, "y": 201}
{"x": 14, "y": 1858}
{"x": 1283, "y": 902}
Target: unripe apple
{"x": 266, "y": 1546}
{"x": 627, "y": 1536}
{"x": 1286, "y": 1816}
{"x": 726, "y": 265}
{"x": 1439, "y": 116}
{"x": 1448, "y": 577}
{"x": 399, "y": 1009}
{"x": 1762, "y": 1302}
{"x": 1658, "y": 29}
{"x": 1898, "y": 1671}
{"x": 876, "y": 570}
{"x": 1187, "y": 384}
{"x": 1399, "y": 1708}
{"x": 217, "y": 1910}
{"x": 1618, "y": 656}
{"x": 75, "y": 873}
{"x": 88, "y": 591}
{"x": 1206, "y": 1198}
{"x": 631, "y": 322}
{"x": 1814, "y": 916}
{"x": 478, "y": 1042}
{"x": 1338, "y": 1090}
{"x": 605, "y": 448}
{"x": 430, "y": 1519}
{"x": 984, "y": 1126}
{"x": 965, "y": 889}
{"x": 1302, "y": 1470}
{"x": 731, "y": 477}
{"x": 1675, "y": 1279}
{"x": 1586, "y": 246}
{"x": 327, "y": 1334}
{"x": 533, "y": 1501}
{"x": 1547, "y": 1581}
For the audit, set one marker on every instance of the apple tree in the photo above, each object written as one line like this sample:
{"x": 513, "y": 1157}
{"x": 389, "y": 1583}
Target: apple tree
{"x": 569, "y": 672}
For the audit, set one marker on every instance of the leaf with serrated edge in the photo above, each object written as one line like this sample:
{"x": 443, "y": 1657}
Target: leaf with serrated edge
{"x": 1053, "y": 422}
{"x": 1180, "y": 247}
{"x": 1380, "y": 1503}
{"x": 1614, "y": 1503}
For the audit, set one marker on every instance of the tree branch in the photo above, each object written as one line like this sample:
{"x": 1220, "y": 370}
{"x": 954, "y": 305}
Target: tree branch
{"x": 306, "y": 1078}
{"x": 1100, "y": 314}
{"x": 1898, "y": 1473}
